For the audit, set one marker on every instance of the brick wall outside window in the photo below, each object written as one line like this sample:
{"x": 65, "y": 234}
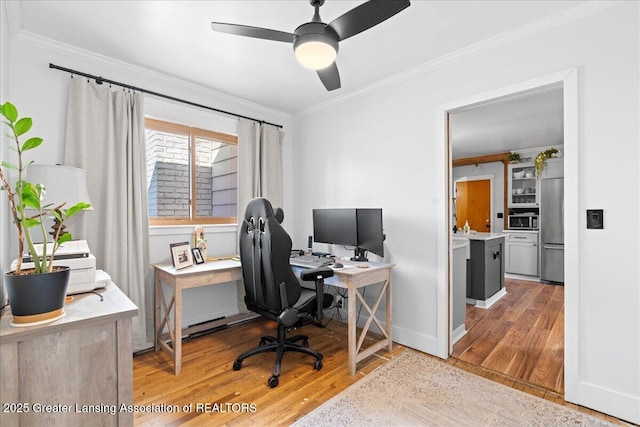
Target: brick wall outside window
{"x": 169, "y": 181}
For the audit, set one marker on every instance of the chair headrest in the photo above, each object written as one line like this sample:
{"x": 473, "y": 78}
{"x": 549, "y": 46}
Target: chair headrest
{"x": 261, "y": 208}
{"x": 258, "y": 208}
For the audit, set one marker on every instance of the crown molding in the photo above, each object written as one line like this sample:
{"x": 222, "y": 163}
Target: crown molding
{"x": 223, "y": 100}
{"x": 572, "y": 14}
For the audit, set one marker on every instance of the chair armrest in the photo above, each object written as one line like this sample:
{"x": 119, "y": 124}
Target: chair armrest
{"x": 313, "y": 274}
{"x": 317, "y": 275}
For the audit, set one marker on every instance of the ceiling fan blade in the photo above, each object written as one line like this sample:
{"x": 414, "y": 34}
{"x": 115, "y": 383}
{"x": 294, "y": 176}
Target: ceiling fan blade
{"x": 256, "y": 32}
{"x": 366, "y": 16}
{"x": 330, "y": 77}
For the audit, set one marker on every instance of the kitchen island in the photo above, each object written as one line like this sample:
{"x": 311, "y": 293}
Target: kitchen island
{"x": 485, "y": 273}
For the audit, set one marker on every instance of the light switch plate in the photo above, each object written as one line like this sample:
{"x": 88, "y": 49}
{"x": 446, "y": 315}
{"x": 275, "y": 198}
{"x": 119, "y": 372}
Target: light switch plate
{"x": 595, "y": 219}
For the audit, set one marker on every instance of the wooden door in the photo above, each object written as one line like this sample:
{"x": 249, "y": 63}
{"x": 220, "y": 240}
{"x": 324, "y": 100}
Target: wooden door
{"x": 473, "y": 204}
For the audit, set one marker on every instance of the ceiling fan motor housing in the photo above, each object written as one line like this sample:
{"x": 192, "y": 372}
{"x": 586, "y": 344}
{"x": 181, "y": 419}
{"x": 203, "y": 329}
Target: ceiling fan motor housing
{"x": 311, "y": 38}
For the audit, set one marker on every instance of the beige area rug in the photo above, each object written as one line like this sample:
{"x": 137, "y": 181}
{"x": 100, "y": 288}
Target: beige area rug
{"x": 417, "y": 390}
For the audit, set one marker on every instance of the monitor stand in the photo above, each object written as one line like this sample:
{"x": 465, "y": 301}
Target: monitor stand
{"x": 359, "y": 255}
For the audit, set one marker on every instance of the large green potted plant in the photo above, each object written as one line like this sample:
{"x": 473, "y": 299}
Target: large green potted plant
{"x": 35, "y": 294}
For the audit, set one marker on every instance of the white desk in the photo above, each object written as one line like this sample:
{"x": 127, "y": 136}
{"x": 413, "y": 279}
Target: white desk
{"x": 209, "y": 273}
{"x": 216, "y": 272}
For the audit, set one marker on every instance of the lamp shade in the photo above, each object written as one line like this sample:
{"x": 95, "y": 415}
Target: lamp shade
{"x": 315, "y": 45}
{"x": 315, "y": 55}
{"x": 63, "y": 184}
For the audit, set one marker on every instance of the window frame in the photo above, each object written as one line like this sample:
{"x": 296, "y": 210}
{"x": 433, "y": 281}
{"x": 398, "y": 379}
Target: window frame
{"x": 193, "y": 133}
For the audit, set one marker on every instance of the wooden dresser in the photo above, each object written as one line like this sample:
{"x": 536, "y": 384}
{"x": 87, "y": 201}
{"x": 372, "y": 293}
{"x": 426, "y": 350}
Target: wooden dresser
{"x": 76, "y": 371}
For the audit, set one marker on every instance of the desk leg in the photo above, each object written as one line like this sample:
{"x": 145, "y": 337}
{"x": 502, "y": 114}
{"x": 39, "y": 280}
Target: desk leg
{"x": 177, "y": 328}
{"x": 351, "y": 331}
{"x": 388, "y": 310}
{"x": 158, "y": 315}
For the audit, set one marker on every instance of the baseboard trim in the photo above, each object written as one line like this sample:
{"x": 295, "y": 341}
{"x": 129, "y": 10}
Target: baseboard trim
{"x": 620, "y": 405}
{"x": 421, "y": 342}
{"x": 489, "y": 301}
{"x": 458, "y": 333}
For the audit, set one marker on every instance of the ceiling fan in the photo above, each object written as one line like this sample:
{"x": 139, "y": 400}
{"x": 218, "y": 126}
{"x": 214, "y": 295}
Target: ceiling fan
{"x": 315, "y": 43}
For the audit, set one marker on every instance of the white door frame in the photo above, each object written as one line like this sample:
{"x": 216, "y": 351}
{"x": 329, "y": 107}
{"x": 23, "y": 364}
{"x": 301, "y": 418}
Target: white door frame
{"x": 568, "y": 80}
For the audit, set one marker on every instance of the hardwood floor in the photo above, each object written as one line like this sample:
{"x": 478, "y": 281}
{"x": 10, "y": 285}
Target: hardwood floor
{"x": 243, "y": 397}
{"x": 521, "y": 336}
{"x": 232, "y": 398}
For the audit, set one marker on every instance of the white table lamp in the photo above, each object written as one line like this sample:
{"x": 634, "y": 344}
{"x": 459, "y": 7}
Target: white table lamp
{"x": 63, "y": 184}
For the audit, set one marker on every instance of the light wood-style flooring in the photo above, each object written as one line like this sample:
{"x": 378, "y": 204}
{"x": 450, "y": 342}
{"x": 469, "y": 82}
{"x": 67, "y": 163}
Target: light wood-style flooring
{"x": 207, "y": 378}
{"x": 521, "y": 336}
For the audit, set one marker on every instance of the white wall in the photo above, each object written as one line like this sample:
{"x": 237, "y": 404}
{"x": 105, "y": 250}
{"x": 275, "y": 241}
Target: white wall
{"x": 41, "y": 93}
{"x": 5, "y": 257}
{"x": 376, "y": 148}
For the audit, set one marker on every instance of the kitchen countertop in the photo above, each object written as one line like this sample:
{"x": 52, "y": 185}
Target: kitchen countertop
{"x": 461, "y": 243}
{"x": 479, "y": 236}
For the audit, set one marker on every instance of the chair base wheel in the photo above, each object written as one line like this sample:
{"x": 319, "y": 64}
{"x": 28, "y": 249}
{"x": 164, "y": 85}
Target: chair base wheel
{"x": 317, "y": 365}
{"x": 273, "y": 382}
{"x": 237, "y": 365}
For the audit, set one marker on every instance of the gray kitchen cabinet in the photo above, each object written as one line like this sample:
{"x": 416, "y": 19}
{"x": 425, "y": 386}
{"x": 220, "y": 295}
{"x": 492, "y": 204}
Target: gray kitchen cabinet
{"x": 486, "y": 268}
{"x": 521, "y": 256}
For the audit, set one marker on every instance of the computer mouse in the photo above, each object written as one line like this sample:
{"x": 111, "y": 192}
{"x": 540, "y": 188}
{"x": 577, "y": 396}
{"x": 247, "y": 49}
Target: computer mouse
{"x": 337, "y": 265}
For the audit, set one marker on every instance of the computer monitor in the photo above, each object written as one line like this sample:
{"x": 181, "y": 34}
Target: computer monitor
{"x": 361, "y": 228}
{"x": 335, "y": 226}
{"x": 370, "y": 231}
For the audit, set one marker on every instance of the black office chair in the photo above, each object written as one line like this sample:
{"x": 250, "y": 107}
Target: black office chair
{"x": 271, "y": 287}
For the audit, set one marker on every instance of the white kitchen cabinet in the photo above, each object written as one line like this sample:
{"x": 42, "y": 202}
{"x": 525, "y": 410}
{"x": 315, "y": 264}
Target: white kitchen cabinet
{"x": 522, "y": 253}
{"x": 523, "y": 186}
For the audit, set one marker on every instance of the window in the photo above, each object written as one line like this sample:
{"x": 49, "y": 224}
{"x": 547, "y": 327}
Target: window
{"x": 186, "y": 164}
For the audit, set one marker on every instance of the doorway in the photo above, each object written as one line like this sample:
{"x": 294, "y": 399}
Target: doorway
{"x": 520, "y": 335}
{"x": 472, "y": 203}
{"x": 568, "y": 81}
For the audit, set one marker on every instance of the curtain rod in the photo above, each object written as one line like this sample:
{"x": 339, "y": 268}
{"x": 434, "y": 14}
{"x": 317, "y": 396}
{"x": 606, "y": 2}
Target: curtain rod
{"x": 99, "y": 80}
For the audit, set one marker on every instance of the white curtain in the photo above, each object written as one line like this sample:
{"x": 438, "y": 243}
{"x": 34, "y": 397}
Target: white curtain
{"x": 259, "y": 171}
{"x": 259, "y": 163}
{"x": 105, "y": 136}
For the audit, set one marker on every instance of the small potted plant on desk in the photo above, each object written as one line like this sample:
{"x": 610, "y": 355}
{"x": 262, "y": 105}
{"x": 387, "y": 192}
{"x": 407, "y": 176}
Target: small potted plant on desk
{"x": 36, "y": 295}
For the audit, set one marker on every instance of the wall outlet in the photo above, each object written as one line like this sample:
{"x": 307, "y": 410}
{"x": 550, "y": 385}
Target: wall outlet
{"x": 340, "y": 301}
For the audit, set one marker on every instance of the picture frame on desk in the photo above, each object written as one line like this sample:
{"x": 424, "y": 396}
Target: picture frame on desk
{"x": 197, "y": 256}
{"x": 181, "y": 255}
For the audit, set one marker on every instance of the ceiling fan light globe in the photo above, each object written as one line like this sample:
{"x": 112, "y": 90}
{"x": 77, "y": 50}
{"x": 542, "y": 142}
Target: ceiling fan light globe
{"x": 315, "y": 55}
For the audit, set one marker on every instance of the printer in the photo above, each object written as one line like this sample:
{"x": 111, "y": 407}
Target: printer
{"x": 74, "y": 254}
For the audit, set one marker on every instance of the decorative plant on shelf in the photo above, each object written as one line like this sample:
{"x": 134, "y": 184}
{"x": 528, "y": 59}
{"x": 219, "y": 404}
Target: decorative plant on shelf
{"x": 514, "y": 157}
{"x": 30, "y": 196}
{"x": 541, "y": 159}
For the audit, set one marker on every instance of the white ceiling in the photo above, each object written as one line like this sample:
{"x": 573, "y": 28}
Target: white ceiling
{"x": 522, "y": 121}
{"x": 175, "y": 38}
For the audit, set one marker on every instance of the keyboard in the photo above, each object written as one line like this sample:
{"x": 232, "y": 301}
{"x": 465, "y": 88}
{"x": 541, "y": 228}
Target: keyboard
{"x": 311, "y": 261}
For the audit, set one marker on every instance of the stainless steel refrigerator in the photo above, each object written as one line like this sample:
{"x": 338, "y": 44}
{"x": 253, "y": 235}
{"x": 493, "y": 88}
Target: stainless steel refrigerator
{"x": 552, "y": 229}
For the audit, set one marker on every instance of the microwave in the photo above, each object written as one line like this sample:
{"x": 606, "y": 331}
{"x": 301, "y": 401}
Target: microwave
{"x": 523, "y": 222}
